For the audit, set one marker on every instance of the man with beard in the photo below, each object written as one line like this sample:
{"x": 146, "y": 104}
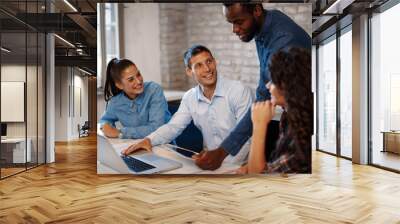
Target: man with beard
{"x": 272, "y": 31}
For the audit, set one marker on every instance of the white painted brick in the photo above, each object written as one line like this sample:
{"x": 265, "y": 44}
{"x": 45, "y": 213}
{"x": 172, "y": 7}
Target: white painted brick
{"x": 183, "y": 25}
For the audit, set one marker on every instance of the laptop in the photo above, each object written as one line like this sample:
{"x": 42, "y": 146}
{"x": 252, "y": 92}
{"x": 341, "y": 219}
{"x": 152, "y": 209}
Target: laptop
{"x": 144, "y": 163}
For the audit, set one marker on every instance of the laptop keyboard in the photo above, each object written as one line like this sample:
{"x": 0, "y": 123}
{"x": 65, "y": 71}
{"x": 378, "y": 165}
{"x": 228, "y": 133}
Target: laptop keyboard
{"x": 136, "y": 165}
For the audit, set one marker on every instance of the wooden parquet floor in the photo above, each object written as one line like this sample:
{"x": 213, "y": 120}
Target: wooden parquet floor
{"x": 70, "y": 191}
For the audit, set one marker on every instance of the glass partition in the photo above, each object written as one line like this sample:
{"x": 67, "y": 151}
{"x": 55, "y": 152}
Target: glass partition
{"x": 31, "y": 98}
{"x": 13, "y": 95}
{"x": 22, "y": 87}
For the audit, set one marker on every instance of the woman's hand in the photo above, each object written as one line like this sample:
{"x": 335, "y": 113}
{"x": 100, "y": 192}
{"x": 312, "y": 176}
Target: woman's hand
{"x": 242, "y": 170}
{"x": 144, "y": 144}
{"x": 110, "y": 131}
{"x": 262, "y": 113}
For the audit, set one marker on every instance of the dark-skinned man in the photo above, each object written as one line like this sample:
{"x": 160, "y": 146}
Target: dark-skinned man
{"x": 272, "y": 31}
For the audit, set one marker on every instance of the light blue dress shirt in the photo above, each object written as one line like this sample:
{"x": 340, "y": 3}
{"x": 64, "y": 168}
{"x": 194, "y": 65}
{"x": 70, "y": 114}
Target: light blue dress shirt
{"x": 140, "y": 116}
{"x": 215, "y": 118}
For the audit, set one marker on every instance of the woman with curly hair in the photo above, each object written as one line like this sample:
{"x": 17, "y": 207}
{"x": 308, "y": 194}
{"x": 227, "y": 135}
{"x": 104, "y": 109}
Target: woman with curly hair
{"x": 290, "y": 88}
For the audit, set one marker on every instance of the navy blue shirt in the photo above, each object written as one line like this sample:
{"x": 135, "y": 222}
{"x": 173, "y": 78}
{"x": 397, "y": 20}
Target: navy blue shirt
{"x": 279, "y": 32}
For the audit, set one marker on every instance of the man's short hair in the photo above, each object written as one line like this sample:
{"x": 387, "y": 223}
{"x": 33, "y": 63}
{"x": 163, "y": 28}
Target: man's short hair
{"x": 193, "y": 51}
{"x": 248, "y": 6}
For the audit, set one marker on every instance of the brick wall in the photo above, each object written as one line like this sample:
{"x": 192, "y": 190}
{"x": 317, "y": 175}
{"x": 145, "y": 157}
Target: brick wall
{"x": 173, "y": 41}
{"x": 182, "y": 25}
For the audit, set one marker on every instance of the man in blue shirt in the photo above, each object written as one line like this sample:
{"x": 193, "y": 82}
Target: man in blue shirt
{"x": 272, "y": 31}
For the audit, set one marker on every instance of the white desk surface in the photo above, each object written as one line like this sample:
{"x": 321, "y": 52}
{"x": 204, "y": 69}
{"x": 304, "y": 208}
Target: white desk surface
{"x": 188, "y": 165}
{"x": 13, "y": 140}
{"x": 172, "y": 95}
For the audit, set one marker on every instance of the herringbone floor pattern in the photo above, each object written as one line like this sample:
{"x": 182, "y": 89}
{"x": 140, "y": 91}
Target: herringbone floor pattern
{"x": 70, "y": 191}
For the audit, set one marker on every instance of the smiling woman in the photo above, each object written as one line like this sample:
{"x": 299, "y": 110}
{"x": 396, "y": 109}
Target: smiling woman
{"x": 290, "y": 88}
{"x": 139, "y": 106}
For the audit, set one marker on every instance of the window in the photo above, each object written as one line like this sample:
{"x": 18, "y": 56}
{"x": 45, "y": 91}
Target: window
{"x": 385, "y": 88}
{"x": 327, "y": 96}
{"x": 108, "y": 38}
{"x": 346, "y": 93}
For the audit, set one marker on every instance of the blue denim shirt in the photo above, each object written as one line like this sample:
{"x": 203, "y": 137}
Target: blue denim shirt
{"x": 279, "y": 32}
{"x": 138, "y": 117}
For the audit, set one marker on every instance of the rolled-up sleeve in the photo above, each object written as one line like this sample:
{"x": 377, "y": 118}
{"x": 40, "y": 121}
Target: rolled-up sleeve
{"x": 108, "y": 116}
{"x": 179, "y": 121}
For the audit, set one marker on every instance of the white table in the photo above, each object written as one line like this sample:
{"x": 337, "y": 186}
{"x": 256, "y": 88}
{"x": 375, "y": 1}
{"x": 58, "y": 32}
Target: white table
{"x": 188, "y": 165}
{"x": 19, "y": 149}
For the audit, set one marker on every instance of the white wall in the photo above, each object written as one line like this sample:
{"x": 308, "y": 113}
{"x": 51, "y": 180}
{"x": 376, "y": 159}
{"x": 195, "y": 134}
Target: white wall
{"x": 80, "y": 83}
{"x": 67, "y": 115}
{"x": 141, "y": 38}
{"x": 61, "y": 103}
{"x": 17, "y": 73}
{"x": 101, "y": 105}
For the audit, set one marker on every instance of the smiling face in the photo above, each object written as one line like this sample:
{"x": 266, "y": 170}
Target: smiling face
{"x": 131, "y": 82}
{"x": 244, "y": 23}
{"x": 203, "y": 68}
{"x": 277, "y": 97}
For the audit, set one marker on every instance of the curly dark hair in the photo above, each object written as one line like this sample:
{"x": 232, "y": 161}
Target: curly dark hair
{"x": 291, "y": 73}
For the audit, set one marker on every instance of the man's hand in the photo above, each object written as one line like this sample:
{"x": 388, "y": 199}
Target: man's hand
{"x": 210, "y": 160}
{"x": 110, "y": 131}
{"x": 144, "y": 144}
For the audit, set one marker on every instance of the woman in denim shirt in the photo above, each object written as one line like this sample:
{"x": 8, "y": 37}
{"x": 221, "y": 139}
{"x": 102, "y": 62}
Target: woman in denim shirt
{"x": 139, "y": 106}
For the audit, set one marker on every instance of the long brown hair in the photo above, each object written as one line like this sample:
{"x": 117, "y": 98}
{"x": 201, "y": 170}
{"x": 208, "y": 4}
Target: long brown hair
{"x": 291, "y": 73}
{"x": 113, "y": 74}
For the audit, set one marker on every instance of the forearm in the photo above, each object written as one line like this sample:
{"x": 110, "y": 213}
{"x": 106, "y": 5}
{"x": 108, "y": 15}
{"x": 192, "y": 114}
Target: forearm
{"x": 256, "y": 163}
{"x": 110, "y": 131}
{"x": 103, "y": 122}
{"x": 164, "y": 134}
{"x": 169, "y": 131}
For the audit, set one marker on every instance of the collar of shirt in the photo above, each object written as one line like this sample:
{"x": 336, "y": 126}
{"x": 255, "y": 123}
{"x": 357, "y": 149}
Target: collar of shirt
{"x": 219, "y": 91}
{"x": 137, "y": 101}
{"x": 265, "y": 29}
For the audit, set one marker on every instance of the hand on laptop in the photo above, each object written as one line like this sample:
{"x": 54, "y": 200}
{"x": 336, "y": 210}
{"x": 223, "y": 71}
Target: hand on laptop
{"x": 144, "y": 144}
{"x": 110, "y": 131}
{"x": 210, "y": 160}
